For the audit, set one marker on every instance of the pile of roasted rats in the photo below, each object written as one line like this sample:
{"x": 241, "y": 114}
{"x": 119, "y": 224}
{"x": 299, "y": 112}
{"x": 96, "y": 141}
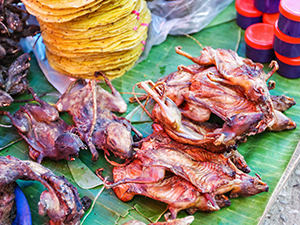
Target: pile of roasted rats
{"x": 201, "y": 113}
{"x": 14, "y": 66}
{"x": 60, "y": 202}
{"x": 48, "y": 136}
{"x": 190, "y": 162}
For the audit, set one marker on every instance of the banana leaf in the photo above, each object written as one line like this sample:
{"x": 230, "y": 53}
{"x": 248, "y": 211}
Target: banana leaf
{"x": 267, "y": 154}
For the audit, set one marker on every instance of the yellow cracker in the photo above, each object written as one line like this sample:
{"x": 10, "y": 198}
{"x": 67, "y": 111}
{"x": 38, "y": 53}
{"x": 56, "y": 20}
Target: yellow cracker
{"x": 63, "y": 4}
{"x": 107, "y": 14}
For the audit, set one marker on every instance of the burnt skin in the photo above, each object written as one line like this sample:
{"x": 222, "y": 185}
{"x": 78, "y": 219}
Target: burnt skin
{"x": 91, "y": 108}
{"x": 47, "y": 135}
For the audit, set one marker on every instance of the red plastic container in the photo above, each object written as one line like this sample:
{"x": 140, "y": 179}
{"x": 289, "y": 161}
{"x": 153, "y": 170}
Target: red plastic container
{"x": 259, "y": 42}
{"x": 288, "y": 67}
{"x": 286, "y": 45}
{"x": 270, "y": 18}
{"x": 247, "y": 14}
{"x": 289, "y": 19}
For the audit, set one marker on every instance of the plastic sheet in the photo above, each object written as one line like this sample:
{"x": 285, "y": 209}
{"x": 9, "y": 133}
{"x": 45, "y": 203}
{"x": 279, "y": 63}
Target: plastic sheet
{"x": 179, "y": 17}
{"x": 174, "y": 17}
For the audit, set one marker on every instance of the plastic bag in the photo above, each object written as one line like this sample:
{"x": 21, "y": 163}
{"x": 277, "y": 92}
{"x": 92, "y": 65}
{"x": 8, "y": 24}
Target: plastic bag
{"x": 175, "y": 17}
{"x": 179, "y": 17}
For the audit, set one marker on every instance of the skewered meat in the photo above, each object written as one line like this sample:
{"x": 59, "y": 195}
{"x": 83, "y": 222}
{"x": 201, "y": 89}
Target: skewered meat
{"x": 183, "y": 221}
{"x": 60, "y": 201}
{"x": 91, "y": 108}
{"x": 47, "y": 135}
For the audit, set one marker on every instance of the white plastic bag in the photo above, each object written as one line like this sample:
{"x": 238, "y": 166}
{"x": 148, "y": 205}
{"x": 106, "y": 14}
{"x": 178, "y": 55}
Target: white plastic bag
{"x": 179, "y": 17}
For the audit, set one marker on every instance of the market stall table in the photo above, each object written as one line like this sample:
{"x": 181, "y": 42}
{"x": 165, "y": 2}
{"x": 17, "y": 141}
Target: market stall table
{"x": 267, "y": 154}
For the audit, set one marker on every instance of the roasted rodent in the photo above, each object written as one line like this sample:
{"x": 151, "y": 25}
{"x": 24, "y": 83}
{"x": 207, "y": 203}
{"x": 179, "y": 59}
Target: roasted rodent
{"x": 60, "y": 202}
{"x": 47, "y": 135}
{"x": 91, "y": 108}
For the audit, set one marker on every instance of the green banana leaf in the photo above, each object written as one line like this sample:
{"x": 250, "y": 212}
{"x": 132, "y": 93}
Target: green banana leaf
{"x": 267, "y": 154}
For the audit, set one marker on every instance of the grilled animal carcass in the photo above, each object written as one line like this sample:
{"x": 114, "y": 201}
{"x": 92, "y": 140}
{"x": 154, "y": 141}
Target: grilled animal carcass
{"x": 13, "y": 79}
{"x": 13, "y": 21}
{"x": 13, "y": 26}
{"x": 14, "y": 67}
{"x": 207, "y": 175}
{"x": 221, "y": 85}
{"x": 91, "y": 108}
{"x": 160, "y": 139}
{"x": 282, "y": 103}
{"x": 241, "y": 76}
{"x": 61, "y": 201}
{"x": 47, "y": 135}
{"x": 212, "y": 136}
{"x": 212, "y": 176}
{"x": 177, "y": 192}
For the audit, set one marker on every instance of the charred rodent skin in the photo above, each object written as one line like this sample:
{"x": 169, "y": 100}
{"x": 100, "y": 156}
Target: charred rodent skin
{"x": 13, "y": 79}
{"x": 14, "y": 21}
{"x": 7, "y": 203}
{"x": 60, "y": 202}
{"x": 224, "y": 85}
{"x": 162, "y": 169}
{"x": 251, "y": 186}
{"x": 282, "y": 102}
{"x": 14, "y": 66}
{"x": 47, "y": 135}
{"x": 91, "y": 108}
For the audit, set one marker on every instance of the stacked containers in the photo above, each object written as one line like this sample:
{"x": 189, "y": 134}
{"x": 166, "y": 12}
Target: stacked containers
{"x": 289, "y": 19}
{"x": 286, "y": 45}
{"x": 247, "y": 14}
{"x": 258, "y": 36}
{"x": 287, "y": 38}
{"x": 259, "y": 42}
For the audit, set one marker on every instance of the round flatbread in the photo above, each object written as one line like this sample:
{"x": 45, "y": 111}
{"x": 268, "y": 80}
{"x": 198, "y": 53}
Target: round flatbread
{"x": 83, "y": 37}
